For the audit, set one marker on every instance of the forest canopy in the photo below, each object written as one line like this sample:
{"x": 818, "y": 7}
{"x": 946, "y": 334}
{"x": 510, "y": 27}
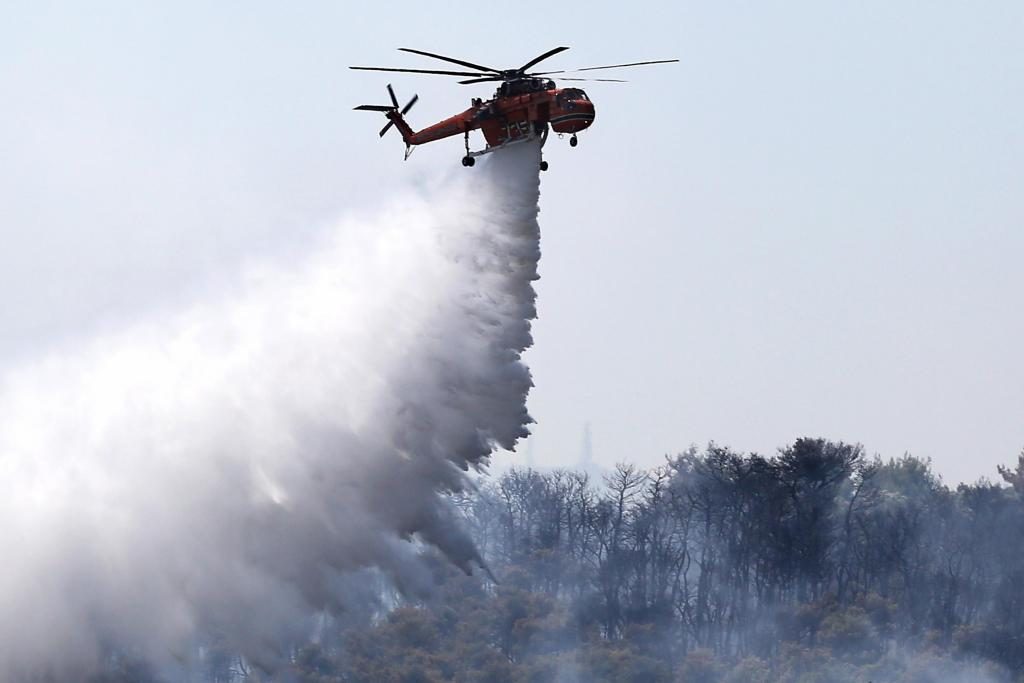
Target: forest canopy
{"x": 816, "y": 564}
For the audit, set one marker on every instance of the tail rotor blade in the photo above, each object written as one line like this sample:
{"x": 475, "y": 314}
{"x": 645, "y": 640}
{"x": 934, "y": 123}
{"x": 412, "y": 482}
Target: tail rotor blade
{"x": 408, "y": 106}
{"x": 388, "y": 110}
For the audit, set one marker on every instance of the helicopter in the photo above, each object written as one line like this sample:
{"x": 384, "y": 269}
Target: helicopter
{"x": 524, "y": 107}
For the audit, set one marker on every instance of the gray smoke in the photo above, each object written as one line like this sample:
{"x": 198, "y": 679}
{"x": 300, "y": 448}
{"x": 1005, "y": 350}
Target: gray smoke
{"x": 216, "y": 471}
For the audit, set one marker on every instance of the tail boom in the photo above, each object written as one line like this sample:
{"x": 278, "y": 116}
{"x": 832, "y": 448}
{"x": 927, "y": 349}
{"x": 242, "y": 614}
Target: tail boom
{"x": 456, "y": 125}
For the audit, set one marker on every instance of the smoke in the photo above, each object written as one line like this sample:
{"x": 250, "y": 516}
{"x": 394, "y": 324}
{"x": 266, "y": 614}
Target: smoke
{"x": 217, "y": 470}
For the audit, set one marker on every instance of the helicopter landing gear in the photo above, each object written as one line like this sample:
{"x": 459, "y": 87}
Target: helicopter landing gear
{"x": 468, "y": 160}
{"x": 573, "y": 141}
{"x": 543, "y": 165}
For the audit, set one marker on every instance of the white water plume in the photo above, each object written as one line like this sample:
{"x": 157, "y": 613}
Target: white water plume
{"x": 214, "y": 471}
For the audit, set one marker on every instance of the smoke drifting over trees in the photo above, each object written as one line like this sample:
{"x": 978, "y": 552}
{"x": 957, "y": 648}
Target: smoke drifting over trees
{"x": 817, "y": 564}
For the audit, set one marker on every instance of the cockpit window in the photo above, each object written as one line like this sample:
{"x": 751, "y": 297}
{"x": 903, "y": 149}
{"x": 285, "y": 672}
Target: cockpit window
{"x": 570, "y": 94}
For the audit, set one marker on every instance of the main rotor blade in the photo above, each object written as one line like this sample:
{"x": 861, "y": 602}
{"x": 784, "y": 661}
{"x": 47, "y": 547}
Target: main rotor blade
{"x": 471, "y": 65}
{"x": 544, "y": 56}
{"x": 418, "y": 71}
{"x": 394, "y": 100}
{"x": 603, "y": 80}
{"x": 482, "y": 80}
{"x": 619, "y": 66}
{"x": 611, "y": 66}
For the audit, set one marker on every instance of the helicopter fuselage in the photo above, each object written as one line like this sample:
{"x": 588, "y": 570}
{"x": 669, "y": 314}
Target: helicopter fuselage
{"x": 518, "y": 109}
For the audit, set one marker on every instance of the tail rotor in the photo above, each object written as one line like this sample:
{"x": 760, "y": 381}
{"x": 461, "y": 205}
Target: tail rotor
{"x": 390, "y": 111}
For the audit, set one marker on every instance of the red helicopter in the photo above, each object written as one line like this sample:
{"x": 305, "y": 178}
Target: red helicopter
{"x": 522, "y": 107}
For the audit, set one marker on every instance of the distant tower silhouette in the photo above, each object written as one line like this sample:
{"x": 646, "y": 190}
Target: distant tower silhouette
{"x": 586, "y": 462}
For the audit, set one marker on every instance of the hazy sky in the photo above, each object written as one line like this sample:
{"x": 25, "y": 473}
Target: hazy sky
{"x": 812, "y": 225}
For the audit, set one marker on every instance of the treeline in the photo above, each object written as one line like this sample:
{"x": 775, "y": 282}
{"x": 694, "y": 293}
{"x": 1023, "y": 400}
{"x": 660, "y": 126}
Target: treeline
{"x": 817, "y": 564}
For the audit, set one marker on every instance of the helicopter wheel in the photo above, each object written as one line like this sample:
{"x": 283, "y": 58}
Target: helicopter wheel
{"x": 543, "y": 165}
{"x": 468, "y": 161}
{"x": 573, "y": 141}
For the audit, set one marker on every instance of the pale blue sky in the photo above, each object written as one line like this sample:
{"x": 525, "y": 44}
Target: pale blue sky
{"x": 812, "y": 225}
